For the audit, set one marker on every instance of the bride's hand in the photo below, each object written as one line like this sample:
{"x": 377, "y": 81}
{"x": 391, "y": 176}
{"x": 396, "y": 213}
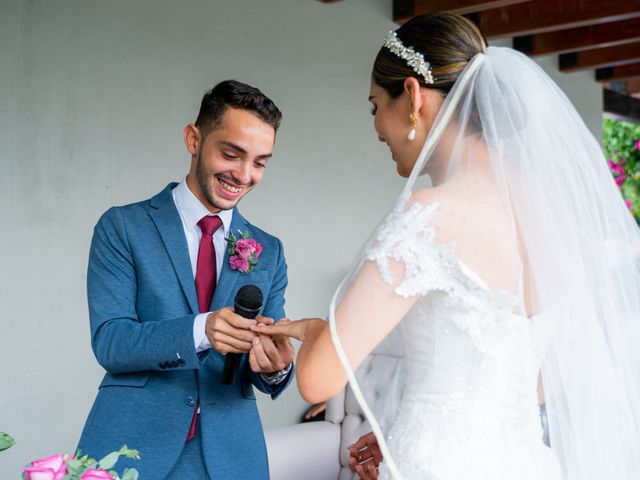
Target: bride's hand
{"x": 298, "y": 329}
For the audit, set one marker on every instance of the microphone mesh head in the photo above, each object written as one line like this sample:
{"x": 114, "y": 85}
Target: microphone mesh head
{"x": 249, "y": 297}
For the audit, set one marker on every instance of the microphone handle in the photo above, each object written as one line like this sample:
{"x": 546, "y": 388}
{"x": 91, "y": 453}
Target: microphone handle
{"x": 232, "y": 360}
{"x": 231, "y": 365}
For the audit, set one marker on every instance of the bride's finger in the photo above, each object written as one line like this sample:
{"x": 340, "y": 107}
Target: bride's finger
{"x": 287, "y": 328}
{"x": 277, "y": 329}
{"x": 264, "y": 320}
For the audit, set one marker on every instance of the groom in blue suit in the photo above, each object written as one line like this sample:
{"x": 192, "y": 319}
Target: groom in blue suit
{"x": 160, "y": 284}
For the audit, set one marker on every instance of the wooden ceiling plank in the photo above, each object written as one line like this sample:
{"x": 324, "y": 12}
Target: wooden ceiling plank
{"x": 621, "y": 106}
{"x": 541, "y": 16}
{"x": 600, "y": 57}
{"x": 461, "y": 7}
{"x": 578, "y": 39}
{"x": 633, "y": 85}
{"x": 403, "y": 10}
{"x": 623, "y": 72}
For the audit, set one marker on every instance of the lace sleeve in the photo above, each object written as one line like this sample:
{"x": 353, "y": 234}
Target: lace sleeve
{"x": 407, "y": 235}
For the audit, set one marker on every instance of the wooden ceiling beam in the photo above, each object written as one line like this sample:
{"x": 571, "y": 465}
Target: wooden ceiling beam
{"x": 581, "y": 38}
{"x": 621, "y": 106}
{"x": 403, "y": 10}
{"x": 461, "y": 7}
{"x": 600, "y": 57}
{"x": 541, "y": 16}
{"x": 618, "y": 73}
{"x": 633, "y": 86}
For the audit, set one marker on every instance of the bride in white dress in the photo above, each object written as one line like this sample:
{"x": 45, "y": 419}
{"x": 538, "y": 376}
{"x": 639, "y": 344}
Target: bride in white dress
{"x": 506, "y": 275}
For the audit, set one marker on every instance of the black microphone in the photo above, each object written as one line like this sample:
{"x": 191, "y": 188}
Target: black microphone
{"x": 247, "y": 304}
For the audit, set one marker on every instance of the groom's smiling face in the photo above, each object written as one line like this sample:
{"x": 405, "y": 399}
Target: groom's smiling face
{"x": 230, "y": 160}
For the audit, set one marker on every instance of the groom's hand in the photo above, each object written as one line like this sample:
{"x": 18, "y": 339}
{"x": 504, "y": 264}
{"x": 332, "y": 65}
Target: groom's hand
{"x": 270, "y": 354}
{"x": 228, "y": 332}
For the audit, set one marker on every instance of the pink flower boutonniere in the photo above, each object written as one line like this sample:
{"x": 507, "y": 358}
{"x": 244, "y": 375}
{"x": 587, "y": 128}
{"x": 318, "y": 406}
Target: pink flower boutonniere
{"x": 243, "y": 252}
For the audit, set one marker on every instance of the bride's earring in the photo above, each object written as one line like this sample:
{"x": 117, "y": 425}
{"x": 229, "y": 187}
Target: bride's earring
{"x": 412, "y": 132}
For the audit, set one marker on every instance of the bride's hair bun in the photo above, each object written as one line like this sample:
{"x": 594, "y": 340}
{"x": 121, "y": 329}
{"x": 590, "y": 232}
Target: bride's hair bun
{"x": 446, "y": 40}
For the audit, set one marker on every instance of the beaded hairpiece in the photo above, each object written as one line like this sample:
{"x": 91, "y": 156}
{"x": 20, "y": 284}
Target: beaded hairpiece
{"x": 414, "y": 59}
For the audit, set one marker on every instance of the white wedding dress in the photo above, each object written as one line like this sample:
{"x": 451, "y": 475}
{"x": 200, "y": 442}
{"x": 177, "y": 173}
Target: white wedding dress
{"x": 469, "y": 410}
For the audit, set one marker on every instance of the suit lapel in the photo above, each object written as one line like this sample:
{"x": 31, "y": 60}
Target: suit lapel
{"x": 167, "y": 220}
{"x": 228, "y": 277}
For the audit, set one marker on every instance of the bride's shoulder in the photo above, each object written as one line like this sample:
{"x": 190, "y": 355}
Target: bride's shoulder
{"x": 441, "y": 201}
{"x": 452, "y": 214}
{"x": 436, "y": 196}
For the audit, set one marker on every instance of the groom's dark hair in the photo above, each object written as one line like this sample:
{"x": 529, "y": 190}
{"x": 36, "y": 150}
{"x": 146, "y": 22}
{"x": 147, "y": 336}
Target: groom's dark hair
{"x": 234, "y": 94}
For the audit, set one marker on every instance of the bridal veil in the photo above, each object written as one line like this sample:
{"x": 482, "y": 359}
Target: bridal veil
{"x": 577, "y": 278}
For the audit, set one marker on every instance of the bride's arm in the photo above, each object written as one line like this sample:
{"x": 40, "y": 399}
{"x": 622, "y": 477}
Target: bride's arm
{"x": 368, "y": 312}
{"x": 377, "y": 300}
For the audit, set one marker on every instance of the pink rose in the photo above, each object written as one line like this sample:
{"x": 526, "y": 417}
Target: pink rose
{"x": 239, "y": 263}
{"x": 248, "y": 247}
{"x": 37, "y": 473}
{"x": 629, "y": 204}
{"x": 53, "y": 467}
{"x": 96, "y": 474}
{"x": 638, "y": 144}
{"x": 620, "y": 179}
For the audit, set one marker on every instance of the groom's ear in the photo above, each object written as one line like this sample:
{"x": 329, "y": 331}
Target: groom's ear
{"x": 192, "y": 138}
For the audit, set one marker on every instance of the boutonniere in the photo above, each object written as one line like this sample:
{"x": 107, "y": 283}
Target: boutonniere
{"x": 243, "y": 252}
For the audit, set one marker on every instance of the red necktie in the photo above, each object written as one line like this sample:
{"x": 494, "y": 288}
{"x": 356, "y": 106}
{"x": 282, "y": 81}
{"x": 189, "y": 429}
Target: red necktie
{"x": 206, "y": 269}
{"x": 205, "y": 280}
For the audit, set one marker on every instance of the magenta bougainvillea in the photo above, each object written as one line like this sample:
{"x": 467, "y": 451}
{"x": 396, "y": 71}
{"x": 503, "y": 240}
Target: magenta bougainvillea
{"x": 621, "y": 142}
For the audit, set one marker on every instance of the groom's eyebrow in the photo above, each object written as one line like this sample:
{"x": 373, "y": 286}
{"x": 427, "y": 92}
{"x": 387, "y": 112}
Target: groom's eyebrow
{"x": 241, "y": 150}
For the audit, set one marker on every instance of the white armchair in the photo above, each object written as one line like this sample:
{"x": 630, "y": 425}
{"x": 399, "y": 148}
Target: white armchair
{"x": 318, "y": 450}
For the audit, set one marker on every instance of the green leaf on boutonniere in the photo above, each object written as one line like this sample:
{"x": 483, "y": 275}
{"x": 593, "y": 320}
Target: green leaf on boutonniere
{"x": 245, "y": 234}
{"x": 6, "y": 441}
{"x": 75, "y": 466}
{"x": 232, "y": 243}
{"x": 130, "y": 474}
{"x": 108, "y": 462}
{"x": 135, "y": 454}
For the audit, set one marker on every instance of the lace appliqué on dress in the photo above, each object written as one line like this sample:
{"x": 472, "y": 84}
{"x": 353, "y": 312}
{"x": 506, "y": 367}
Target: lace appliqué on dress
{"x": 408, "y": 236}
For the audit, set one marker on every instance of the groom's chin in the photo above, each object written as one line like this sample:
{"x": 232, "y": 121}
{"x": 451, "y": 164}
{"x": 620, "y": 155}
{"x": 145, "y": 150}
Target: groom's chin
{"x": 224, "y": 203}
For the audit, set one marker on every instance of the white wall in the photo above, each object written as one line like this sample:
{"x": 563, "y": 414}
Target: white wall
{"x": 93, "y": 98}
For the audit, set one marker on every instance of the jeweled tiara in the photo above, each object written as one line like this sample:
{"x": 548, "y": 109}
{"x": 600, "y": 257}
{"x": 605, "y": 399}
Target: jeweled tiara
{"x": 414, "y": 59}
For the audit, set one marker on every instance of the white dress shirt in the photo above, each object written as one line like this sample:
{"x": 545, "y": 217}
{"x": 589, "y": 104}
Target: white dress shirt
{"x": 191, "y": 210}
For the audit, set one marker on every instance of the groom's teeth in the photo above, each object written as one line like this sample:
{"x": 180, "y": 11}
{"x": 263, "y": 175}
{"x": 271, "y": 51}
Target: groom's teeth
{"x": 229, "y": 188}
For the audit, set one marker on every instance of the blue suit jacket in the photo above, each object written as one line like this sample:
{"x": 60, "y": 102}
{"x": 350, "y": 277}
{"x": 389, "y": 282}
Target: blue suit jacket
{"x": 142, "y": 304}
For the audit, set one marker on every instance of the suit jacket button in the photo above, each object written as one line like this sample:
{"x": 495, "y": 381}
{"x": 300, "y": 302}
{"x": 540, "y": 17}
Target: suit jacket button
{"x": 189, "y": 401}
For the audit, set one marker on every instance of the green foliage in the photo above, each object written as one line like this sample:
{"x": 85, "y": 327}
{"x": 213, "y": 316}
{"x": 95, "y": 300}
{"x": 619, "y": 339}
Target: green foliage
{"x": 621, "y": 142}
{"x": 6, "y": 441}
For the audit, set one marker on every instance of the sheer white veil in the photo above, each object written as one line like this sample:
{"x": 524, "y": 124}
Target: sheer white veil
{"x": 579, "y": 274}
